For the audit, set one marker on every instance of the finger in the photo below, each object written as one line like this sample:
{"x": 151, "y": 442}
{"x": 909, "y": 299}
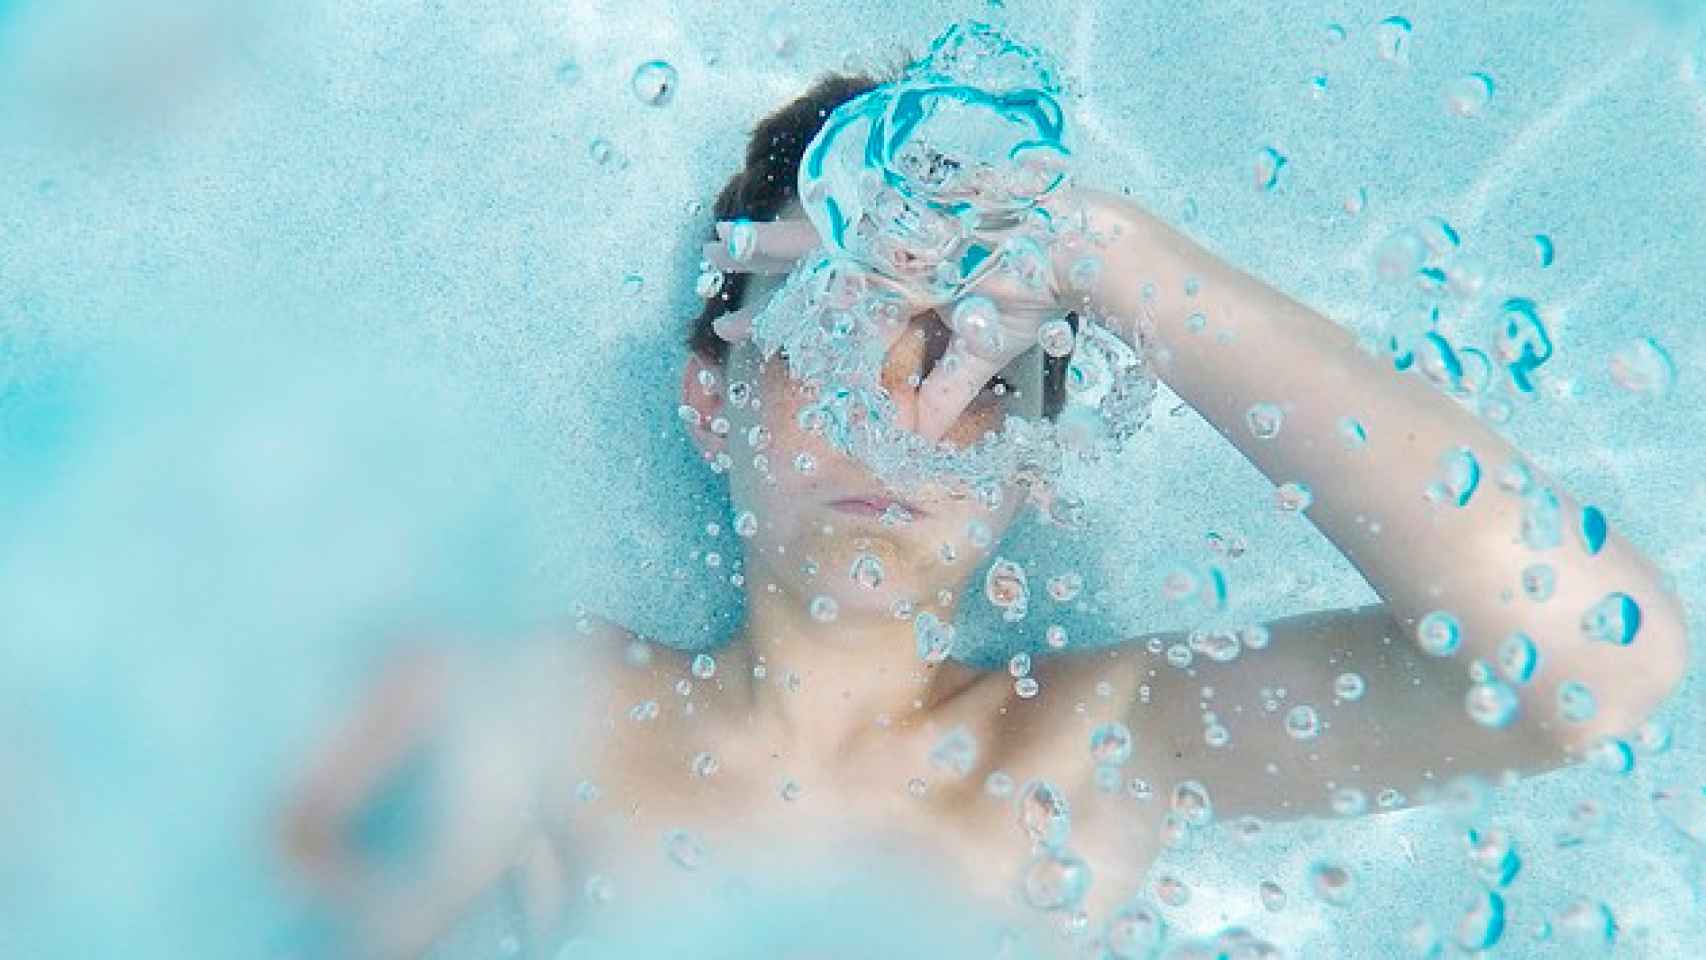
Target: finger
{"x": 736, "y": 325}
{"x": 717, "y": 254}
{"x": 946, "y": 394}
{"x": 788, "y": 239}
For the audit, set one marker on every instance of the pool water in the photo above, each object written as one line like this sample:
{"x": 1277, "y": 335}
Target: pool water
{"x": 322, "y": 321}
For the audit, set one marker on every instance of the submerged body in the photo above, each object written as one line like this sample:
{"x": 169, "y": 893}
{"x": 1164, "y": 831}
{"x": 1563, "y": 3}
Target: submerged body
{"x": 647, "y": 778}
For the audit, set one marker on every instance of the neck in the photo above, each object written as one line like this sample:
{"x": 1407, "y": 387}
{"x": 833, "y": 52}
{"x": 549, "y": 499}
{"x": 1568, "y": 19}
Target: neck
{"x": 831, "y": 689}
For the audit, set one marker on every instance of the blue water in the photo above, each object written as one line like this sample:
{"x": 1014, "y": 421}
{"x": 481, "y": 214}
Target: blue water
{"x": 314, "y": 328}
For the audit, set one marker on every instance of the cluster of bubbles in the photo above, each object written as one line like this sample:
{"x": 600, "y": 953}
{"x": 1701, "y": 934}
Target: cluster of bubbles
{"x": 927, "y": 186}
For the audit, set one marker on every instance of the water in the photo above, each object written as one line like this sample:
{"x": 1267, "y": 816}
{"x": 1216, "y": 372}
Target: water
{"x": 326, "y": 322}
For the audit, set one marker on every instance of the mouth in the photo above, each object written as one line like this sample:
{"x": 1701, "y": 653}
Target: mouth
{"x": 877, "y": 507}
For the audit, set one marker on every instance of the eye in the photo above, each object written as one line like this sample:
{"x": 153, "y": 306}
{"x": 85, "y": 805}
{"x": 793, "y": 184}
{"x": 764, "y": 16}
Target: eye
{"x": 998, "y": 385}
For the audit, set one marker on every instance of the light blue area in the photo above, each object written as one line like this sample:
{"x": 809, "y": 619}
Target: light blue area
{"x": 312, "y": 326}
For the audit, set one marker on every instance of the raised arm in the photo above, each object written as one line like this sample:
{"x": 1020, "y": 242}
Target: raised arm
{"x": 1461, "y": 551}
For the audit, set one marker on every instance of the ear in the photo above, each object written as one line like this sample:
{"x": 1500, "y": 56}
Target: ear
{"x": 703, "y": 389}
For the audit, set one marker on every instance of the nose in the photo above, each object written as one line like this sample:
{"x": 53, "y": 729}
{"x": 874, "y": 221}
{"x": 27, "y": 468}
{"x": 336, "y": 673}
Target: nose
{"x": 910, "y": 358}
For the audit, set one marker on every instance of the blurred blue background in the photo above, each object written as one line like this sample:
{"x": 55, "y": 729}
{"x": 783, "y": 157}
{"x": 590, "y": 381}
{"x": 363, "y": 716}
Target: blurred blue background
{"x": 317, "y": 325}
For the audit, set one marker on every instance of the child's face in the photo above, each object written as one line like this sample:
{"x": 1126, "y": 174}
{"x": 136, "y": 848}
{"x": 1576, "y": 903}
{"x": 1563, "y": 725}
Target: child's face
{"x": 815, "y": 527}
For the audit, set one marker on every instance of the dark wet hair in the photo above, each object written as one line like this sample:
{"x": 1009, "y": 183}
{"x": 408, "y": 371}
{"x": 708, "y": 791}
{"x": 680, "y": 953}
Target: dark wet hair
{"x": 767, "y": 185}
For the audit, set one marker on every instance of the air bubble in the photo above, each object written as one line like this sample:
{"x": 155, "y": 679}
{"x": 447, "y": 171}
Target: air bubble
{"x": 746, "y": 523}
{"x": 1043, "y": 814}
{"x": 1492, "y": 703}
{"x": 1392, "y": 39}
{"x": 1518, "y": 657}
{"x": 704, "y": 666}
{"x": 1110, "y": 744}
{"x": 1056, "y": 338}
{"x": 1642, "y": 366}
{"x": 1615, "y": 619}
{"x": 1264, "y": 420}
{"x": 1268, "y": 164}
{"x": 1439, "y": 634}
{"x": 1055, "y": 880}
{"x": 955, "y": 752}
{"x": 1332, "y": 883}
{"x": 1539, "y": 581}
{"x": 654, "y": 83}
{"x": 1302, "y": 723}
{"x": 1468, "y": 95}
{"x": 867, "y": 571}
{"x": 1349, "y": 686}
{"x": 1352, "y": 433}
{"x": 1294, "y": 497}
{"x": 824, "y": 608}
{"x": 1543, "y": 249}
{"x": 684, "y": 849}
{"x": 1575, "y": 702}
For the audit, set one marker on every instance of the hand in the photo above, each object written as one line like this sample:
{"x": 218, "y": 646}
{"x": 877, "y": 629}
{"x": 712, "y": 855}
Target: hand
{"x": 993, "y": 321}
{"x": 410, "y": 806}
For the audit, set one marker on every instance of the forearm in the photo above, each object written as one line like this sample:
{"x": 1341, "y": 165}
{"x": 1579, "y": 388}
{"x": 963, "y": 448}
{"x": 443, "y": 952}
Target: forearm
{"x": 1254, "y": 345}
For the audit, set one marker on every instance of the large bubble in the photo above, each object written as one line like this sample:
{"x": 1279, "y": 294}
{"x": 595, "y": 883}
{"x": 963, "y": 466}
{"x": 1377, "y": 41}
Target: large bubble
{"x": 926, "y": 186}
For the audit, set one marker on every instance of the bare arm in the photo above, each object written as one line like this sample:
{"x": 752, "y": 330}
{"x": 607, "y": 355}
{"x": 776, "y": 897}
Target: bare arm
{"x": 1259, "y": 346}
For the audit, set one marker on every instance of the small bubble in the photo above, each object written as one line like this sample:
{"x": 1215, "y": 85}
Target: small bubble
{"x": 1302, "y": 723}
{"x": 684, "y": 849}
{"x": 1612, "y": 755}
{"x": 1642, "y": 366}
{"x": 1518, "y": 657}
{"x": 1543, "y": 249}
{"x": 633, "y": 283}
{"x": 1438, "y": 634}
{"x": 1191, "y": 802}
{"x": 704, "y": 666}
{"x": 1392, "y": 39}
{"x": 1065, "y": 587}
{"x": 1492, "y": 703}
{"x": 1110, "y": 744}
{"x": 1025, "y": 687}
{"x": 654, "y": 83}
{"x": 601, "y": 151}
{"x": 998, "y": 784}
{"x": 1349, "y": 686}
{"x": 704, "y": 764}
{"x": 1348, "y": 802}
{"x": 1351, "y": 433}
{"x": 1335, "y": 34}
{"x": 599, "y": 889}
{"x": 955, "y": 752}
{"x": 790, "y": 790}
{"x": 709, "y": 284}
{"x": 1056, "y": 338}
{"x": 1264, "y": 420}
{"x": 1468, "y": 95}
{"x": 1575, "y": 702}
{"x": 643, "y": 711}
{"x": 867, "y": 571}
{"x": 824, "y": 608}
{"x": 1332, "y": 883}
{"x": 1043, "y": 813}
{"x": 1615, "y": 619}
{"x": 1055, "y": 637}
{"x": 1268, "y": 164}
{"x": 1172, "y": 891}
{"x": 1272, "y": 897}
{"x": 1539, "y": 580}
{"x": 1482, "y": 921}
{"x": 568, "y": 72}
{"x": 1294, "y": 497}
{"x": 1055, "y": 880}
{"x": 746, "y": 523}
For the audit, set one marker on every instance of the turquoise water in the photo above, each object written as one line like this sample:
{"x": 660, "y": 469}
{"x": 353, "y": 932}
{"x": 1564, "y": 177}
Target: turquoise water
{"x": 318, "y": 324}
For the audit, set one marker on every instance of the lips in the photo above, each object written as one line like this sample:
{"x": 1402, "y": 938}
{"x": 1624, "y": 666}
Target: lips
{"x": 873, "y": 506}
